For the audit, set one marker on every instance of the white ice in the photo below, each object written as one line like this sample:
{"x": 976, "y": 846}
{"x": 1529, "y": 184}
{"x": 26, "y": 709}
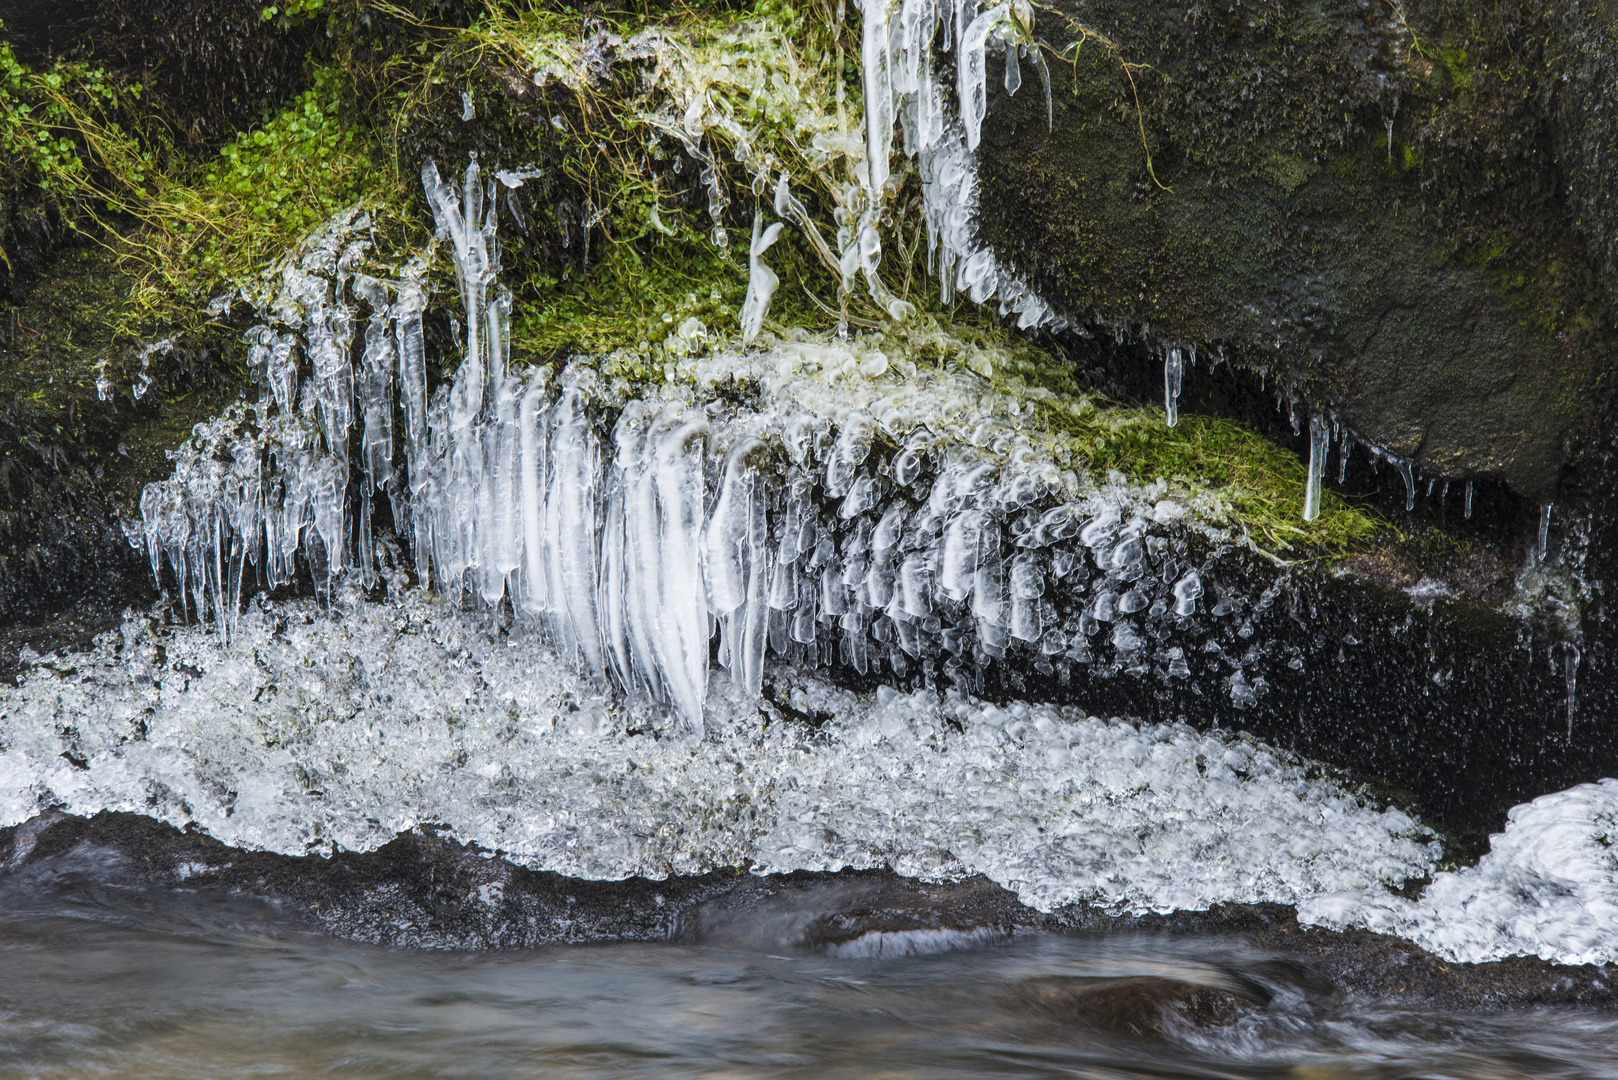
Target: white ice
{"x": 343, "y": 725}
{"x": 1548, "y": 887}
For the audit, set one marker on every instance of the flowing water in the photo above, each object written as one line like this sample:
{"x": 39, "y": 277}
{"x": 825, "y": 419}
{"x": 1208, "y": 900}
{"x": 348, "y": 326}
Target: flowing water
{"x": 214, "y": 990}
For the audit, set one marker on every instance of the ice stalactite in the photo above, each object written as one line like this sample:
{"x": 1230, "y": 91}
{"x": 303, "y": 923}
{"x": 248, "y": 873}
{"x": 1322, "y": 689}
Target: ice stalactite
{"x": 1173, "y": 376}
{"x": 783, "y": 528}
{"x": 1572, "y": 667}
{"x": 1468, "y": 500}
{"x": 902, "y": 83}
{"x": 761, "y": 280}
{"x": 1319, "y": 449}
{"x": 1404, "y": 469}
{"x": 1543, "y": 544}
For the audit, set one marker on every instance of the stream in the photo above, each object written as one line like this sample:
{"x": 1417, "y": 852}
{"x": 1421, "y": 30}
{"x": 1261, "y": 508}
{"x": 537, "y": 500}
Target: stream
{"x": 214, "y": 989}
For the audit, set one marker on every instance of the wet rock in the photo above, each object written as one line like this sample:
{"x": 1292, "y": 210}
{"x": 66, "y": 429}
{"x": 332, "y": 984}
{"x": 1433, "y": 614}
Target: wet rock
{"x": 1387, "y": 239}
{"x": 424, "y": 890}
{"x": 211, "y": 66}
{"x": 1142, "y": 1005}
{"x": 857, "y": 915}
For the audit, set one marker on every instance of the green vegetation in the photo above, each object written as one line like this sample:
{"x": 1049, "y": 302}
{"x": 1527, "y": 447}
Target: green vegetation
{"x": 638, "y": 169}
{"x": 228, "y": 218}
{"x": 1228, "y": 472}
{"x": 65, "y": 134}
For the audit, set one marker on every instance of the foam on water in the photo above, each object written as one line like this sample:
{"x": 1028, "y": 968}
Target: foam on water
{"x": 342, "y": 727}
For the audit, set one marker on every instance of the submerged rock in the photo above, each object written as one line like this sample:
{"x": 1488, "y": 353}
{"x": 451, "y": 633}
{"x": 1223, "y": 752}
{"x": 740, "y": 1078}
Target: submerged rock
{"x": 1141, "y": 1005}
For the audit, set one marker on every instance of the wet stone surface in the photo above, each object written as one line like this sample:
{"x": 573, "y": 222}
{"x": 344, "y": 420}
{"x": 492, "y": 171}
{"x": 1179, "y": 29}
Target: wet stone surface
{"x": 424, "y": 891}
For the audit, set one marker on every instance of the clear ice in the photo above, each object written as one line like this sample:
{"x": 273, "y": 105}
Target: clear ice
{"x": 1319, "y": 448}
{"x": 630, "y": 536}
{"x": 1173, "y": 376}
{"x": 338, "y": 726}
{"x": 1546, "y": 888}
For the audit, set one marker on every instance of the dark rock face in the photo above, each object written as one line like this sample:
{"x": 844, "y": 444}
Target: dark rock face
{"x": 1400, "y": 215}
{"x": 212, "y": 67}
{"x": 1380, "y": 221}
{"x": 1444, "y": 705}
{"x": 423, "y": 891}
{"x": 71, "y": 464}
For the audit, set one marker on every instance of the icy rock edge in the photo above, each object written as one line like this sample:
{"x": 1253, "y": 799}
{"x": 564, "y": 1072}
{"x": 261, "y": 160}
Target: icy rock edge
{"x": 343, "y": 725}
{"x": 1548, "y": 887}
{"x": 861, "y": 512}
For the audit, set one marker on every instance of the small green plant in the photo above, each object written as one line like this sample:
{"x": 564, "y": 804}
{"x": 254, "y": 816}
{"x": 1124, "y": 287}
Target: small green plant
{"x": 62, "y": 135}
{"x": 233, "y": 215}
{"x": 291, "y": 12}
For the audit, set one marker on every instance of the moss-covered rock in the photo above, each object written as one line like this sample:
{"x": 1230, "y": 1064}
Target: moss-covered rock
{"x": 1369, "y": 203}
{"x": 85, "y": 418}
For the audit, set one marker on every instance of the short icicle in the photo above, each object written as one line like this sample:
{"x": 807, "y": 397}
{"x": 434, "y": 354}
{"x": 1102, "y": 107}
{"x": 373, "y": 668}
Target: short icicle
{"x": 1173, "y": 376}
{"x": 1319, "y": 447}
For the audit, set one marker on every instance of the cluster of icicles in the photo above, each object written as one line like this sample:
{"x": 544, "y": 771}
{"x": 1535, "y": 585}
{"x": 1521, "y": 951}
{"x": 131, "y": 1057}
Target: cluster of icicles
{"x": 792, "y": 533}
{"x": 902, "y": 86}
{"x": 779, "y": 532}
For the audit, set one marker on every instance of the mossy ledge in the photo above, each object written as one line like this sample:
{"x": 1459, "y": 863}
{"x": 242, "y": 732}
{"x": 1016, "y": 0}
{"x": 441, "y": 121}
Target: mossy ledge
{"x": 1390, "y": 209}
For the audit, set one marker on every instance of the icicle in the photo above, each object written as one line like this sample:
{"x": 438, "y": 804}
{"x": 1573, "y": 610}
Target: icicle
{"x": 761, "y": 280}
{"x": 570, "y": 547}
{"x": 1409, "y": 479}
{"x": 1572, "y": 666}
{"x": 726, "y": 542}
{"x": 531, "y": 422}
{"x": 1173, "y": 374}
{"x": 1319, "y": 448}
{"x": 1467, "y": 501}
{"x": 1013, "y": 71}
{"x": 681, "y": 620}
{"x": 877, "y": 60}
{"x": 1050, "y": 111}
{"x": 1342, "y": 458}
{"x": 973, "y": 73}
{"x": 1544, "y": 530}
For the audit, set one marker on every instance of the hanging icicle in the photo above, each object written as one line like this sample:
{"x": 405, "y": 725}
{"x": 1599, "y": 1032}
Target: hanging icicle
{"x": 1319, "y": 448}
{"x": 1173, "y": 375}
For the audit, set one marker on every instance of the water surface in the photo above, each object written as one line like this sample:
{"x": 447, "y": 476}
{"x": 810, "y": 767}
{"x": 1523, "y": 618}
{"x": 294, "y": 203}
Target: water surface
{"x": 218, "y": 989}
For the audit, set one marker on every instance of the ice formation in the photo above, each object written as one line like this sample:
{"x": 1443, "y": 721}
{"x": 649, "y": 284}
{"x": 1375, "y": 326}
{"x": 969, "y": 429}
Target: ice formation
{"x": 343, "y": 725}
{"x": 1548, "y": 887}
{"x": 901, "y": 79}
{"x": 828, "y": 524}
{"x": 1173, "y": 377}
{"x": 1319, "y": 448}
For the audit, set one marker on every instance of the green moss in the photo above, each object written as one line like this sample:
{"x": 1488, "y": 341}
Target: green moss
{"x": 652, "y": 263}
{"x": 1287, "y": 172}
{"x": 1232, "y": 475}
{"x": 628, "y": 301}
